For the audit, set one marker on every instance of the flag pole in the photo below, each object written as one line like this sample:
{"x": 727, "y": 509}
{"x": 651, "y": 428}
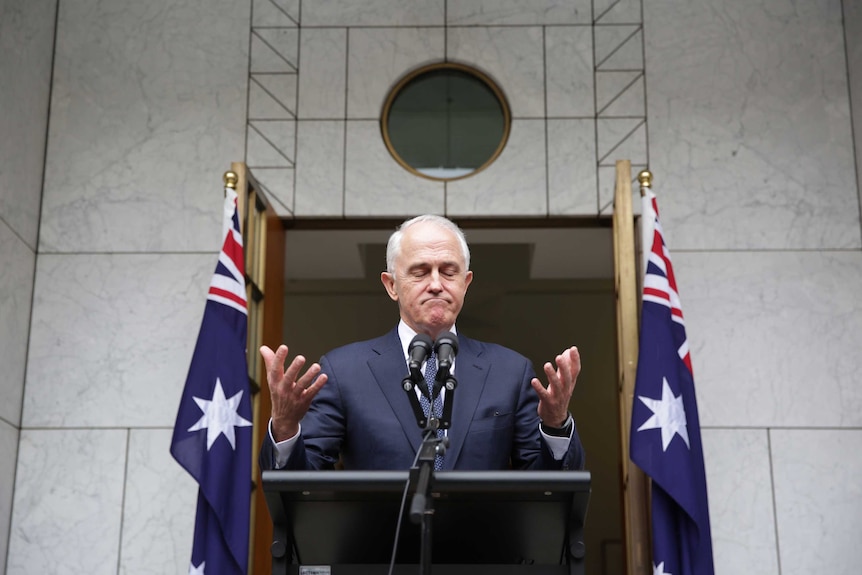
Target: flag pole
{"x": 645, "y": 179}
{"x": 647, "y": 220}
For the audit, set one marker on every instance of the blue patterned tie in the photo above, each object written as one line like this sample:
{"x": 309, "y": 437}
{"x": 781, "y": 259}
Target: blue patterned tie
{"x": 430, "y": 375}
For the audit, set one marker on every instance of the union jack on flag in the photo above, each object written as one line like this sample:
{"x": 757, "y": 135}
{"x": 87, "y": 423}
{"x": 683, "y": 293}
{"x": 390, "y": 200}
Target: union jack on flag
{"x": 665, "y": 430}
{"x": 212, "y": 435}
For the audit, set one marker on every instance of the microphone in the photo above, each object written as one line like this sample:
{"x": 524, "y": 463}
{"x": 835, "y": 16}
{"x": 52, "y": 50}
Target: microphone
{"x": 419, "y": 348}
{"x": 446, "y": 348}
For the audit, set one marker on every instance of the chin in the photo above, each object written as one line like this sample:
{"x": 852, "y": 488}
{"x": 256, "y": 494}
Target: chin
{"x": 439, "y": 327}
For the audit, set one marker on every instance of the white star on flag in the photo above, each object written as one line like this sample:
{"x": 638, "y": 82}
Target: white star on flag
{"x": 668, "y": 414}
{"x": 199, "y": 570}
{"x": 659, "y": 569}
{"x": 220, "y": 416}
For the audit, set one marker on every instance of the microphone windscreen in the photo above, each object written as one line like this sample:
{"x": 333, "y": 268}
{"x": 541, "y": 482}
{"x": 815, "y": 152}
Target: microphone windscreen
{"x": 419, "y": 348}
{"x": 447, "y": 339}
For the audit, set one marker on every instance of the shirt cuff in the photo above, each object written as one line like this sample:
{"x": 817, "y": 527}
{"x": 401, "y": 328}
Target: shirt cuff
{"x": 283, "y": 449}
{"x": 559, "y": 446}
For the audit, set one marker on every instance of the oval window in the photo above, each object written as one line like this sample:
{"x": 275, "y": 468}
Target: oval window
{"x": 445, "y": 121}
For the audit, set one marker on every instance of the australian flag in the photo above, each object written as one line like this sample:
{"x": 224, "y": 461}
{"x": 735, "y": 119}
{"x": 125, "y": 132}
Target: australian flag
{"x": 212, "y": 436}
{"x": 665, "y": 430}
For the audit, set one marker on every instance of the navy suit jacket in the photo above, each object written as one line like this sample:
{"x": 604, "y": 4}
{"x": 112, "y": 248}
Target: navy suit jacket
{"x": 363, "y": 415}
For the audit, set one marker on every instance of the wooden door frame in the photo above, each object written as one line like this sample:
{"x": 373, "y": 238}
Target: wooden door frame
{"x": 263, "y": 240}
{"x": 626, "y": 284}
{"x": 635, "y": 486}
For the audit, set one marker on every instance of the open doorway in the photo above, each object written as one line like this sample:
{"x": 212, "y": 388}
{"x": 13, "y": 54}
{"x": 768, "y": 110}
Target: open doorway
{"x": 538, "y": 287}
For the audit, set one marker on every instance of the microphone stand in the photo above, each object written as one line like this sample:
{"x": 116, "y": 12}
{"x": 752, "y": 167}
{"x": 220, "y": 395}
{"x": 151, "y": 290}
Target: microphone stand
{"x": 421, "y": 475}
{"x": 422, "y": 505}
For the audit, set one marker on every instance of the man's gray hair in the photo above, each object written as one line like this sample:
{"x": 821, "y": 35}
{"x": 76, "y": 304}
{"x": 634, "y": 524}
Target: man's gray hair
{"x": 393, "y": 248}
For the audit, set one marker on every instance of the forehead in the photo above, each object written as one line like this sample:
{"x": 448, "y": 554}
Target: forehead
{"x": 429, "y": 241}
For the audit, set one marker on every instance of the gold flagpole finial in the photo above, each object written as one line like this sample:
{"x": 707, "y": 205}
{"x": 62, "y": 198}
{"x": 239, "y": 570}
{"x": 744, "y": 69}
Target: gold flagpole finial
{"x": 645, "y": 178}
{"x": 230, "y": 179}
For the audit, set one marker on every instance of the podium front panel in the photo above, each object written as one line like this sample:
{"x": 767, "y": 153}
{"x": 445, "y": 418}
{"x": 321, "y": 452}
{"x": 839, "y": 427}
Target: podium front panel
{"x": 524, "y": 519}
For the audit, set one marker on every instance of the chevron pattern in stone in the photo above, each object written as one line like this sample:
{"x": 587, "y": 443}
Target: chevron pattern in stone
{"x": 272, "y": 98}
{"x": 621, "y": 128}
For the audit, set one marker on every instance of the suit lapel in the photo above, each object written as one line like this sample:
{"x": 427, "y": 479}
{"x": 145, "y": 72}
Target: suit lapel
{"x": 471, "y": 371}
{"x": 389, "y": 369}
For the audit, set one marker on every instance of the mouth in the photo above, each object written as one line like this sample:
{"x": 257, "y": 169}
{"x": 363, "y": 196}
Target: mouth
{"x": 436, "y": 300}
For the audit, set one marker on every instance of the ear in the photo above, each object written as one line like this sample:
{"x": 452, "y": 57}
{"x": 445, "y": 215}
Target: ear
{"x": 388, "y": 281}
{"x": 467, "y": 279}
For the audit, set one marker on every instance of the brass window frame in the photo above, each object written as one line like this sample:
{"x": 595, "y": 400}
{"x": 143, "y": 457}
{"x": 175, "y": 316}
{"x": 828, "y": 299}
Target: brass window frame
{"x": 482, "y": 77}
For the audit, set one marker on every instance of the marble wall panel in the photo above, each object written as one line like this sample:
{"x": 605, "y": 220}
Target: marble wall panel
{"x": 514, "y": 185}
{"x": 508, "y": 12}
{"x": 278, "y": 186}
{"x": 68, "y": 502}
{"x": 750, "y": 136}
{"x": 26, "y": 45}
{"x": 379, "y": 57}
{"x": 607, "y": 177}
{"x": 376, "y": 185}
{"x": 9, "y": 455}
{"x": 274, "y": 51}
{"x": 618, "y": 47}
{"x": 818, "y": 499}
{"x": 853, "y": 38}
{"x": 148, "y": 111}
{"x": 569, "y": 71}
{"x": 741, "y": 514}
{"x": 572, "y": 186}
{"x": 271, "y": 143}
{"x": 320, "y": 168}
{"x": 158, "y": 508}
{"x": 278, "y": 13}
{"x": 17, "y": 262}
{"x": 621, "y": 139}
{"x": 617, "y": 11}
{"x": 272, "y": 96}
{"x": 774, "y": 336}
{"x": 373, "y": 13}
{"x": 112, "y": 338}
{"x": 322, "y": 73}
{"x": 620, "y": 94}
{"x": 512, "y": 57}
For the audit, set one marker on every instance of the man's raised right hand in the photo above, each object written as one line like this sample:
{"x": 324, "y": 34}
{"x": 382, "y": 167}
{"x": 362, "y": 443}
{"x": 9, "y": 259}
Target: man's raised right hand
{"x": 291, "y": 395}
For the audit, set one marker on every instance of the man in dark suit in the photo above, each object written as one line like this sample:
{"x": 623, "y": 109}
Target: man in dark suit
{"x": 351, "y": 405}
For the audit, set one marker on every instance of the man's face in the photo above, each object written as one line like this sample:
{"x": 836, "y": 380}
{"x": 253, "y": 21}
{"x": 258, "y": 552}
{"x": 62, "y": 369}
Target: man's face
{"x": 429, "y": 281}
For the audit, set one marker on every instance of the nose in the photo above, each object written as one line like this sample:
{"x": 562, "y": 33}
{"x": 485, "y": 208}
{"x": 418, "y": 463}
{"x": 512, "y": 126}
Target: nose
{"x": 434, "y": 284}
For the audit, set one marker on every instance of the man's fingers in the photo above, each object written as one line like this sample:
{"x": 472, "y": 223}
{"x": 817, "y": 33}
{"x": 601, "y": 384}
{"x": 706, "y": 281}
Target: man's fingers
{"x": 552, "y": 374}
{"x": 280, "y": 355}
{"x": 565, "y": 368}
{"x": 574, "y": 366}
{"x": 315, "y": 386}
{"x": 280, "y": 377}
{"x": 568, "y": 366}
{"x": 540, "y": 389}
{"x": 268, "y": 356}
{"x": 292, "y": 372}
{"x": 575, "y": 359}
{"x": 273, "y": 359}
{"x": 305, "y": 381}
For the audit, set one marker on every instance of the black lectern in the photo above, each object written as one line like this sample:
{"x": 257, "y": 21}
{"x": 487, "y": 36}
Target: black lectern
{"x": 501, "y": 522}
